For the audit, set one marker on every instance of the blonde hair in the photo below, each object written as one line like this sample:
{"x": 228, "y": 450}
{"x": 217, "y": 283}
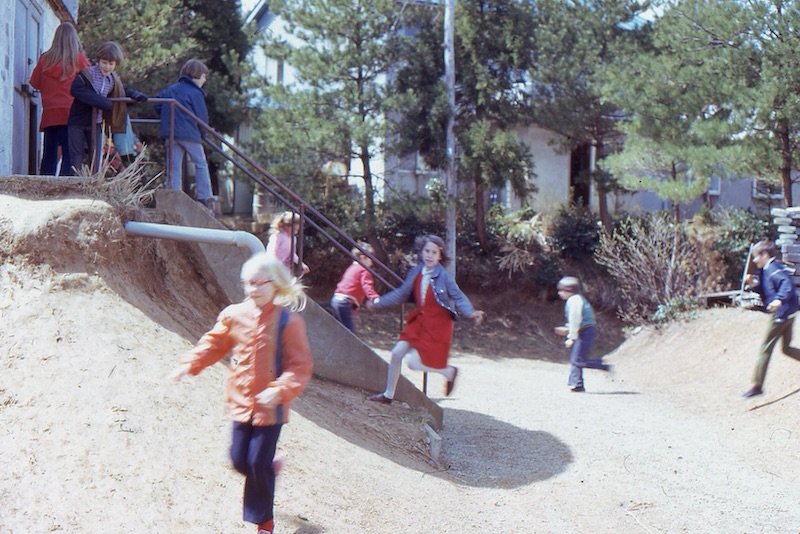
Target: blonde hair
{"x": 65, "y": 50}
{"x": 289, "y": 292}
{"x": 287, "y": 219}
{"x": 364, "y": 246}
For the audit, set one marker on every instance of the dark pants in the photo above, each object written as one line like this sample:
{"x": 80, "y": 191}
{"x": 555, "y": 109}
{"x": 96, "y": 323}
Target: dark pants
{"x": 776, "y": 331}
{"x": 252, "y": 452}
{"x": 578, "y": 359}
{"x": 55, "y": 137}
{"x": 343, "y": 311}
{"x": 80, "y": 143}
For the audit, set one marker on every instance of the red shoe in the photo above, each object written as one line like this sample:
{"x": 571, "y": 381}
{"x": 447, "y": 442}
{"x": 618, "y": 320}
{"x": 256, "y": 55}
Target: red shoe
{"x": 266, "y": 528}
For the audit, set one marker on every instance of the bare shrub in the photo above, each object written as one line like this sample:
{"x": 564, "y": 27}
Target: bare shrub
{"x": 659, "y": 267}
{"x": 129, "y": 189}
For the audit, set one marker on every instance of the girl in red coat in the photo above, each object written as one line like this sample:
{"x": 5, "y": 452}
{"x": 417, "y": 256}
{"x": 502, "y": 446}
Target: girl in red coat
{"x": 429, "y": 329}
{"x": 53, "y": 77}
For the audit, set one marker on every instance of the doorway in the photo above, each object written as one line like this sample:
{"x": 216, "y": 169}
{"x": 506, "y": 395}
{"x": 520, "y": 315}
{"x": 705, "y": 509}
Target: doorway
{"x": 580, "y": 174}
{"x": 25, "y": 139}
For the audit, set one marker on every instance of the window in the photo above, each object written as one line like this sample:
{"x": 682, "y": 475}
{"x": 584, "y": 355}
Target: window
{"x": 763, "y": 189}
{"x": 715, "y": 186}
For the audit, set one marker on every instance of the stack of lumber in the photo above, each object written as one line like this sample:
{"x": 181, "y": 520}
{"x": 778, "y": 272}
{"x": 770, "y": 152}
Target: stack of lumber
{"x": 787, "y": 221}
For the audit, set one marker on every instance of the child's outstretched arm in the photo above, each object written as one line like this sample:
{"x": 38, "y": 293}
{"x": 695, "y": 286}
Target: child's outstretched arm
{"x": 398, "y": 295}
{"x": 136, "y": 95}
{"x": 211, "y": 348}
{"x": 477, "y": 316}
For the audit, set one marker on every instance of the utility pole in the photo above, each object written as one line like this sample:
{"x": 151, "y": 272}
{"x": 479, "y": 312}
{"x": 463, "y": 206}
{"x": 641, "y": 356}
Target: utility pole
{"x": 450, "y": 171}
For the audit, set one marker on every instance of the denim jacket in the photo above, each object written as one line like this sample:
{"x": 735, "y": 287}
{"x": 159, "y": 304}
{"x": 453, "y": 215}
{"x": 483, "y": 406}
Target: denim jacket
{"x": 447, "y": 293}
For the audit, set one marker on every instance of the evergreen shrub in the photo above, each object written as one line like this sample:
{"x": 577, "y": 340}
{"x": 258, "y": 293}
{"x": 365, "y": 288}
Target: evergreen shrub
{"x": 736, "y": 229}
{"x": 574, "y": 232}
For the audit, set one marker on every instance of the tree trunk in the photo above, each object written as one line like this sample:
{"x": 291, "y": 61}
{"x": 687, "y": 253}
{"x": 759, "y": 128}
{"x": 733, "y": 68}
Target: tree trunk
{"x": 602, "y": 189}
{"x": 786, "y": 164}
{"x": 602, "y": 208}
{"x": 480, "y": 216}
{"x": 369, "y": 207}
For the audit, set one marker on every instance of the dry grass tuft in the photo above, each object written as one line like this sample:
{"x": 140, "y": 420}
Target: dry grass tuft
{"x": 129, "y": 189}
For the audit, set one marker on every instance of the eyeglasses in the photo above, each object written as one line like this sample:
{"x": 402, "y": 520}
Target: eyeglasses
{"x": 257, "y": 283}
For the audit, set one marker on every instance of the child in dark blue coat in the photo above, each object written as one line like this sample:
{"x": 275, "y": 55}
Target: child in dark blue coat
{"x": 187, "y": 135}
{"x": 773, "y": 283}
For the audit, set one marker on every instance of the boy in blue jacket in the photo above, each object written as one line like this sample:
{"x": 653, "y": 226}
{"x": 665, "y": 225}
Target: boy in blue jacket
{"x": 187, "y": 135}
{"x": 773, "y": 283}
{"x": 93, "y": 89}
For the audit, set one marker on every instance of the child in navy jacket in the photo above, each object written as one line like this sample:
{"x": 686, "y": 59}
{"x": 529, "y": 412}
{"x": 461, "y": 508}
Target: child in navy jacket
{"x": 187, "y": 135}
{"x": 773, "y": 283}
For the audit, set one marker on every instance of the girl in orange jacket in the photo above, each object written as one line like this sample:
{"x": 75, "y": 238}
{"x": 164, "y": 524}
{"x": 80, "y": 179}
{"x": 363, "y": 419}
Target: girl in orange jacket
{"x": 270, "y": 365}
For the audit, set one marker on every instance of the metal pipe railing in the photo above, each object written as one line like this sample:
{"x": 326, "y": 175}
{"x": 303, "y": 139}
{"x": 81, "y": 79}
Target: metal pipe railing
{"x": 277, "y": 189}
{"x": 237, "y": 238}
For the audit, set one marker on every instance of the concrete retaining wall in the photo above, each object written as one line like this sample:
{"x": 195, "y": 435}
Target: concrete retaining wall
{"x": 339, "y": 356}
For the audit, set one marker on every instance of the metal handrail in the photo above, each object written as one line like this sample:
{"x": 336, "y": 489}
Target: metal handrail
{"x": 277, "y": 189}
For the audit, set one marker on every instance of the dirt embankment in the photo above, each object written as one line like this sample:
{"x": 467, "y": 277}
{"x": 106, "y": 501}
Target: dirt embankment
{"x": 93, "y": 438}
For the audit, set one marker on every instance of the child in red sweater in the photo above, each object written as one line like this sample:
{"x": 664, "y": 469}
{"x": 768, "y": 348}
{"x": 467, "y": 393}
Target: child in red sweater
{"x": 355, "y": 285}
{"x": 53, "y": 77}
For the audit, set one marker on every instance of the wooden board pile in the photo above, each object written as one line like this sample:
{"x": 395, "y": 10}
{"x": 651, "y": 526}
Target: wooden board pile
{"x": 787, "y": 221}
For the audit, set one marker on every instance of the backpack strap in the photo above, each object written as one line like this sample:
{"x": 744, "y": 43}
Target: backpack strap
{"x": 284, "y": 318}
{"x": 85, "y": 77}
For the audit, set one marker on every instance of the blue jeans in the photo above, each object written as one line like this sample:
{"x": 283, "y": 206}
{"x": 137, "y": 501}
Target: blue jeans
{"x": 252, "y": 452}
{"x": 55, "y": 137}
{"x": 201, "y": 177}
{"x": 577, "y": 357}
{"x": 343, "y": 311}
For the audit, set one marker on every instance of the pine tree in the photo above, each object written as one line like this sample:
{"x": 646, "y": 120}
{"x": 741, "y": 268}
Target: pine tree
{"x": 717, "y": 94}
{"x": 575, "y": 41}
{"x": 340, "y": 53}
{"x": 493, "y": 50}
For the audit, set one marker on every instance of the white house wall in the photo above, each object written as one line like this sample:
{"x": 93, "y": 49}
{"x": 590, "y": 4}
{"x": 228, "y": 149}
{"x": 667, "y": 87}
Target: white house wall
{"x": 551, "y": 169}
{"x": 6, "y": 83}
{"x": 48, "y": 22}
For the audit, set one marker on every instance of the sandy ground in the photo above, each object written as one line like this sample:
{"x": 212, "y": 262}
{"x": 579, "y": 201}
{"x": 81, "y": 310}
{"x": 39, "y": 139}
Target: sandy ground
{"x": 93, "y": 438}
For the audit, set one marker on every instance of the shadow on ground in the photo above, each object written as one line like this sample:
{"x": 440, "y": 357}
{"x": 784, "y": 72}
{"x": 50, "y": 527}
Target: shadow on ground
{"x": 471, "y": 441}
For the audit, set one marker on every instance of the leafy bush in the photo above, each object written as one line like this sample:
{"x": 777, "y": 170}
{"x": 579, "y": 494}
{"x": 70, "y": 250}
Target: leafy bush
{"x": 656, "y": 264}
{"x": 521, "y": 238}
{"x": 736, "y": 229}
{"x": 574, "y": 232}
{"x": 674, "y": 309}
